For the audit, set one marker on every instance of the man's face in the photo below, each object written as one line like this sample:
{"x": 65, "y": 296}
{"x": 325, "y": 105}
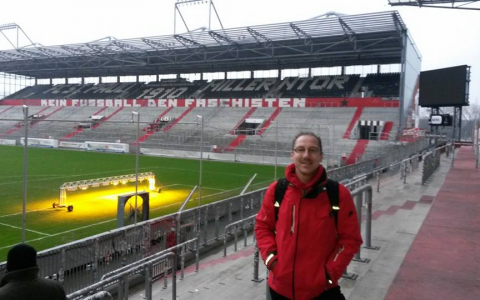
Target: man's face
{"x": 306, "y": 155}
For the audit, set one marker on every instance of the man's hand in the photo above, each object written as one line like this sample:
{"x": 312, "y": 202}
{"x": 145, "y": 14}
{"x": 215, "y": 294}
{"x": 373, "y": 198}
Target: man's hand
{"x": 273, "y": 265}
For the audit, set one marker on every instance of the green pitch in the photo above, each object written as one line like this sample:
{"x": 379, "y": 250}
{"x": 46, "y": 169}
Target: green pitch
{"x": 48, "y": 169}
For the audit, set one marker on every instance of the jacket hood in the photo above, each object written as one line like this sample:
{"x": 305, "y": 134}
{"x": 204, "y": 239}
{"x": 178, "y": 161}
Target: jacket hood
{"x": 320, "y": 177}
{"x": 20, "y": 275}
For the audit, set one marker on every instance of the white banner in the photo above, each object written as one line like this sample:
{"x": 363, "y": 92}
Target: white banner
{"x": 8, "y": 142}
{"x": 72, "y": 145}
{"x": 44, "y": 143}
{"x": 107, "y": 147}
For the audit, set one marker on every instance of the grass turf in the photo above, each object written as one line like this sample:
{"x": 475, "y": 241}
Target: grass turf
{"x": 48, "y": 169}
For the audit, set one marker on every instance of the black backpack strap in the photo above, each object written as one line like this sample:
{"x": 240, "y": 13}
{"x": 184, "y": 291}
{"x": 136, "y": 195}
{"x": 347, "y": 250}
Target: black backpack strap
{"x": 332, "y": 191}
{"x": 280, "y": 190}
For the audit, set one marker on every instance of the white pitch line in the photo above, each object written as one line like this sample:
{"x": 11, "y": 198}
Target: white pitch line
{"x": 16, "y": 227}
{"x": 58, "y": 233}
{"x": 28, "y": 211}
{"x": 203, "y": 187}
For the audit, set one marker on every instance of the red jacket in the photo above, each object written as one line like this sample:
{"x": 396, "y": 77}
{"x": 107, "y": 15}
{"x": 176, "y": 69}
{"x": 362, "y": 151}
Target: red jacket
{"x": 306, "y": 247}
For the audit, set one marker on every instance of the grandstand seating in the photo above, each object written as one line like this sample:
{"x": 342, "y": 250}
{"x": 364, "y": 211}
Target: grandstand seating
{"x": 237, "y": 88}
{"x": 29, "y": 92}
{"x": 382, "y": 85}
{"x": 373, "y": 85}
{"x": 166, "y": 88}
{"x": 318, "y": 87}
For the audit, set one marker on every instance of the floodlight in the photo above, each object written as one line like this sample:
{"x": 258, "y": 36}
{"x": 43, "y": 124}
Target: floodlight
{"x": 115, "y": 180}
{"x": 151, "y": 185}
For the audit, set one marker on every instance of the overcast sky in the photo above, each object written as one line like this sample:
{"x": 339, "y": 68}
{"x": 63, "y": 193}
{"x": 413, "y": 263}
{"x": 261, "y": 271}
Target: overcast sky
{"x": 445, "y": 37}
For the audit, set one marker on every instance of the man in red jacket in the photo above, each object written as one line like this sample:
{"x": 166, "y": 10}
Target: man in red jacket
{"x": 305, "y": 251}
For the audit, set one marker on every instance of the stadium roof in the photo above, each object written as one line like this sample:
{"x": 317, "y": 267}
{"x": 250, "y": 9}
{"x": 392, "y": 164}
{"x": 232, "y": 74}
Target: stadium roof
{"x": 375, "y": 38}
{"x": 453, "y": 4}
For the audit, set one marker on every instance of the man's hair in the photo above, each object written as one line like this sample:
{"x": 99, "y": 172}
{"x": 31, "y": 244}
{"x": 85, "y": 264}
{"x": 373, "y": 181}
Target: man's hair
{"x": 319, "y": 140}
{"x": 21, "y": 256}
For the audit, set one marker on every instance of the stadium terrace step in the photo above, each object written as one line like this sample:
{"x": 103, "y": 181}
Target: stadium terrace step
{"x": 236, "y": 142}
{"x": 169, "y": 126}
{"x": 5, "y": 110}
{"x": 357, "y": 151}
{"x": 353, "y": 122}
{"x": 19, "y": 125}
{"x": 149, "y": 131}
{"x": 386, "y": 131}
{"x": 56, "y": 110}
{"x": 79, "y": 129}
{"x": 157, "y": 120}
{"x": 269, "y": 121}
{"x": 107, "y": 118}
{"x": 247, "y": 115}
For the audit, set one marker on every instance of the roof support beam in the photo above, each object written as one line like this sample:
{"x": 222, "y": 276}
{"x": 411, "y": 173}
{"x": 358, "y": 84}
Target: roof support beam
{"x": 187, "y": 42}
{"x": 260, "y": 38}
{"x": 221, "y": 38}
{"x": 301, "y": 34}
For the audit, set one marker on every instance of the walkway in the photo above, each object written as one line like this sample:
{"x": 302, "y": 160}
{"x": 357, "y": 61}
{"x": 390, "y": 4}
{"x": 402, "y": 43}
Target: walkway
{"x": 444, "y": 260}
{"x": 433, "y": 259}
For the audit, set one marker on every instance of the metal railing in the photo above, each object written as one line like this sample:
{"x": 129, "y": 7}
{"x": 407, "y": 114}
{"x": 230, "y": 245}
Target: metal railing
{"x": 236, "y": 225}
{"x": 81, "y": 263}
{"x": 431, "y": 161}
{"x": 123, "y": 279}
{"x": 103, "y": 295}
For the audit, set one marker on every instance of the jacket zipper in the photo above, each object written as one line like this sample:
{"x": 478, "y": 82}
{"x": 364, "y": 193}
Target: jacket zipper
{"x": 292, "y": 227}
{"x": 296, "y": 245}
{"x": 338, "y": 252}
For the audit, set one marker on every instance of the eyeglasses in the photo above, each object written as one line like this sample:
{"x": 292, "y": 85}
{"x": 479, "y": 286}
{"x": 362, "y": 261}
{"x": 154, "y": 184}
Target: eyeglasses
{"x": 301, "y": 150}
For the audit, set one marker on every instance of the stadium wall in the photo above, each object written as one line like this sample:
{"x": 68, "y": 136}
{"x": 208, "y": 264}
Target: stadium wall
{"x": 245, "y": 102}
{"x": 411, "y": 66}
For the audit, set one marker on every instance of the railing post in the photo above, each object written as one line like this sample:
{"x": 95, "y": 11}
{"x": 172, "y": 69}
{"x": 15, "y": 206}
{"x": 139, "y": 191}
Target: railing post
{"x": 148, "y": 281}
{"x": 368, "y": 229}
{"x": 123, "y": 287}
{"x": 453, "y": 153}
{"x": 477, "y": 155}
{"x": 217, "y": 222}
{"x": 358, "y": 206}
{"x": 197, "y": 257}
{"x": 254, "y": 223}
{"x": 378, "y": 181}
{"x": 256, "y": 261}
{"x": 244, "y": 234}
{"x": 182, "y": 264}
{"x": 205, "y": 222}
{"x": 61, "y": 272}
{"x": 96, "y": 253}
{"x": 165, "y": 276}
{"x": 174, "y": 281}
{"x": 236, "y": 238}
{"x": 225, "y": 245}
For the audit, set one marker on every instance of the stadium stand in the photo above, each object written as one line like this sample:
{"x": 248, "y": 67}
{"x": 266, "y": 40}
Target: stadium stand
{"x": 321, "y": 86}
{"x": 167, "y": 88}
{"x": 237, "y": 88}
{"x": 29, "y": 92}
{"x": 373, "y": 85}
{"x": 382, "y": 85}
